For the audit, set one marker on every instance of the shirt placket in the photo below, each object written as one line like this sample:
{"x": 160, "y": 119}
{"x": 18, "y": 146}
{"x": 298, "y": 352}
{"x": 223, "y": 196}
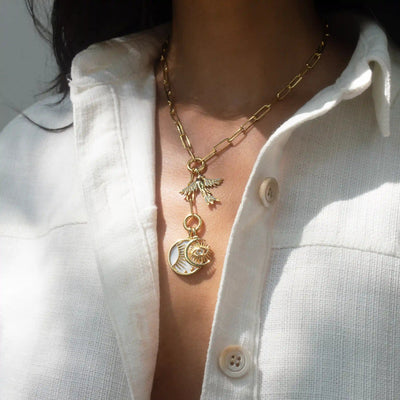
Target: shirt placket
{"x": 231, "y": 369}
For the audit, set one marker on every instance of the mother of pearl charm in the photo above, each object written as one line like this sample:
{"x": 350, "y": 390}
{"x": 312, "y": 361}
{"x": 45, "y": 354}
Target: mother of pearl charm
{"x": 187, "y": 256}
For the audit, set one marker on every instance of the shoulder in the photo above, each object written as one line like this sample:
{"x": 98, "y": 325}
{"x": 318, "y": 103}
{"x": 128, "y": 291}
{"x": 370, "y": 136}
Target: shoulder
{"x": 118, "y": 59}
{"x": 48, "y": 113}
{"x": 40, "y": 189}
{"x": 24, "y": 142}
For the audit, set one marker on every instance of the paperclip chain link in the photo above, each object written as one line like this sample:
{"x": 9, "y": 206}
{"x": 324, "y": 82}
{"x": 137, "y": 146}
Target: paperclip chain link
{"x": 247, "y": 125}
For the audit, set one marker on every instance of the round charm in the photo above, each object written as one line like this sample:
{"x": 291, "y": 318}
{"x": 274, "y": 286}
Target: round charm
{"x": 187, "y": 256}
{"x": 198, "y": 253}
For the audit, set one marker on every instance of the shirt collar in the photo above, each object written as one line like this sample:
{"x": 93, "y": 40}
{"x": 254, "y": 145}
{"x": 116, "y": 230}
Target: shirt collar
{"x": 370, "y": 65}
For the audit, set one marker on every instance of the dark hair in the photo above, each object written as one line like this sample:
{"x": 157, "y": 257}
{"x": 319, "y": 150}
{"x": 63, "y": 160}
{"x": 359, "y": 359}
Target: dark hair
{"x": 77, "y": 24}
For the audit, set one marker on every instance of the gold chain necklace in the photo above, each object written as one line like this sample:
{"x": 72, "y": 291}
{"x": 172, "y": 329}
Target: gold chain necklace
{"x": 187, "y": 256}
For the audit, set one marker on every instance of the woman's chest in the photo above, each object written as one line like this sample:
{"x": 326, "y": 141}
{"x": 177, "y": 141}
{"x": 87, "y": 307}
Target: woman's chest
{"x": 187, "y": 303}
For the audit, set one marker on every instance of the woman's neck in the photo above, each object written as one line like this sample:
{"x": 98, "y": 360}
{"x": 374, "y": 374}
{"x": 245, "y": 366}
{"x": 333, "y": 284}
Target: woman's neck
{"x": 227, "y": 56}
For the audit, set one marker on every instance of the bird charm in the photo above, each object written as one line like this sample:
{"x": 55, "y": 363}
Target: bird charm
{"x": 202, "y": 184}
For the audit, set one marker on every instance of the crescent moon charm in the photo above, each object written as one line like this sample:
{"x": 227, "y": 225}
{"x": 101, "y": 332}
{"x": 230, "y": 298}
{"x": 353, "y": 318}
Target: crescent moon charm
{"x": 187, "y": 256}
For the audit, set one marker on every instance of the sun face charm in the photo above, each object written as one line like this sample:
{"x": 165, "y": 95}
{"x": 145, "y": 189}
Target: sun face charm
{"x": 187, "y": 256}
{"x": 198, "y": 252}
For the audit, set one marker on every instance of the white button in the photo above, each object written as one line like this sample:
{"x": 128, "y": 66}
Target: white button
{"x": 234, "y": 361}
{"x": 269, "y": 191}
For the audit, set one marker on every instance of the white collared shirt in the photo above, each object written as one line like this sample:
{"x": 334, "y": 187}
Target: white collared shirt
{"x": 309, "y": 301}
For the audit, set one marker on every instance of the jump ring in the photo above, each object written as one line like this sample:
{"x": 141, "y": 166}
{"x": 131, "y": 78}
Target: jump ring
{"x": 199, "y": 164}
{"x": 192, "y": 229}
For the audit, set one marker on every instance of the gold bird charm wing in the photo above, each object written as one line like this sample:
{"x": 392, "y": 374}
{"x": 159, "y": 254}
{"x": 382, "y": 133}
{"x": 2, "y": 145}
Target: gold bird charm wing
{"x": 189, "y": 190}
{"x": 210, "y": 183}
{"x": 202, "y": 184}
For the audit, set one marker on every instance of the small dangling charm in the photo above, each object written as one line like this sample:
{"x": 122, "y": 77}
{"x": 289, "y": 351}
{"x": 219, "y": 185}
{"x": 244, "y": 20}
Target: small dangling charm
{"x": 187, "y": 256}
{"x": 199, "y": 183}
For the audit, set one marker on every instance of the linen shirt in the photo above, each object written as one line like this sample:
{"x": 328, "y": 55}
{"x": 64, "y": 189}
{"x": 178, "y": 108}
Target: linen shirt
{"x": 309, "y": 301}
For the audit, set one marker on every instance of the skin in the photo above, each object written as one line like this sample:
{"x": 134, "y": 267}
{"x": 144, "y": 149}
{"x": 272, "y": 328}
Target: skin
{"x": 227, "y": 58}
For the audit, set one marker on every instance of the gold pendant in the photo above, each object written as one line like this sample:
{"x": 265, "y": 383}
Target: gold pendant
{"x": 198, "y": 182}
{"x": 187, "y": 256}
{"x": 202, "y": 184}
